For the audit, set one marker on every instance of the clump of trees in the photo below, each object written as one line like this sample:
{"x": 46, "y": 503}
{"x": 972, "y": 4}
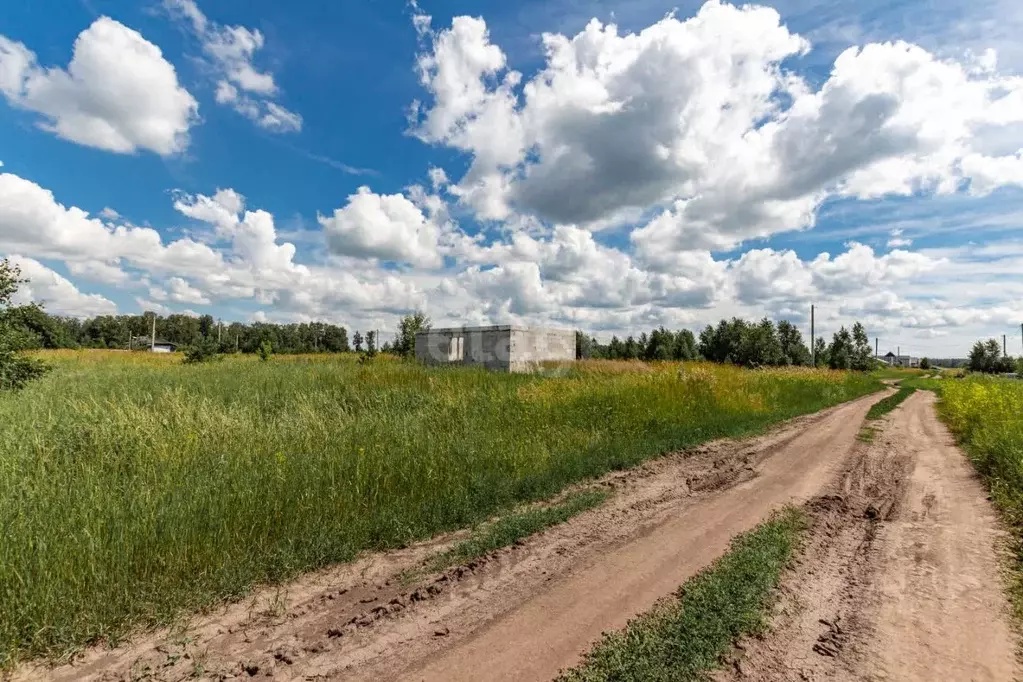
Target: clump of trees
{"x": 16, "y": 370}
{"x": 986, "y": 357}
{"x": 754, "y": 344}
{"x": 659, "y": 344}
{"x": 848, "y": 350}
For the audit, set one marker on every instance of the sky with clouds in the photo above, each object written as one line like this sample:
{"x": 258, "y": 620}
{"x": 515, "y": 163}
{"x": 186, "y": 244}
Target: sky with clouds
{"x": 609, "y": 166}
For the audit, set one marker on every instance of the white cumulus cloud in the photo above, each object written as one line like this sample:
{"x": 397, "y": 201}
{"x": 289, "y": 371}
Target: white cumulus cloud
{"x": 118, "y": 93}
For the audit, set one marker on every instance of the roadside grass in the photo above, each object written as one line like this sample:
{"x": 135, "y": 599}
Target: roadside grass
{"x": 134, "y": 488}
{"x": 986, "y": 416}
{"x": 886, "y": 405}
{"x": 507, "y": 530}
{"x": 685, "y": 636}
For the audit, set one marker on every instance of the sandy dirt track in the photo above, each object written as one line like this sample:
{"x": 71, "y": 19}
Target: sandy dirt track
{"x": 900, "y": 576}
{"x": 523, "y": 613}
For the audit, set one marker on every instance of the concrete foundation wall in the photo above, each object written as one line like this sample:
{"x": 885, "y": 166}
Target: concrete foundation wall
{"x": 489, "y": 348}
{"x": 504, "y": 348}
{"x": 534, "y": 346}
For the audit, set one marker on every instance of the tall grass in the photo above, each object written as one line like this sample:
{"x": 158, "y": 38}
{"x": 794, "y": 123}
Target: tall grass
{"x": 133, "y": 487}
{"x": 986, "y": 416}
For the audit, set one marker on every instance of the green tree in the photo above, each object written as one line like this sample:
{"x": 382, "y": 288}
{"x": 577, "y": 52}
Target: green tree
{"x": 794, "y": 351}
{"x": 405, "y": 343}
{"x": 357, "y": 341}
{"x": 685, "y": 346}
{"x": 15, "y": 369}
{"x": 371, "y": 344}
{"x": 842, "y": 350}
{"x": 758, "y": 345}
{"x": 925, "y": 363}
{"x": 862, "y": 354}
{"x": 820, "y": 352}
{"x": 986, "y": 356}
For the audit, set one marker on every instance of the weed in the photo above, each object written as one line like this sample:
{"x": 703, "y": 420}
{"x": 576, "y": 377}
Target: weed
{"x": 684, "y": 637}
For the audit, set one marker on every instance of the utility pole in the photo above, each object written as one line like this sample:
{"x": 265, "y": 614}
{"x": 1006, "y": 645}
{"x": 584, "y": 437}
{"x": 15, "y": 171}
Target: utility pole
{"x": 877, "y": 343}
{"x": 220, "y": 329}
{"x": 152, "y": 339}
{"x": 1004, "y": 347}
{"x": 813, "y": 345}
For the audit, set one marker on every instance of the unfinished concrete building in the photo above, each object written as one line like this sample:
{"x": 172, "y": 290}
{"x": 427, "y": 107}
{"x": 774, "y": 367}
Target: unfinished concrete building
{"x": 507, "y": 348}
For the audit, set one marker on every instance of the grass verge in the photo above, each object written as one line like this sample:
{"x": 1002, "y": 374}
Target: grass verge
{"x": 886, "y": 405}
{"x": 986, "y": 416}
{"x": 685, "y": 636}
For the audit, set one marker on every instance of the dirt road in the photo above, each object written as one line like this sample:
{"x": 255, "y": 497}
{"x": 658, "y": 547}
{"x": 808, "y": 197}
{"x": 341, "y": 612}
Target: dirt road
{"x": 900, "y": 579}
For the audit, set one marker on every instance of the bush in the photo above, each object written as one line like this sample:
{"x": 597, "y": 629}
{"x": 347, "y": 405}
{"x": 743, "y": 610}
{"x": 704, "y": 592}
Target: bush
{"x": 206, "y": 350}
{"x": 265, "y": 351}
{"x": 925, "y": 363}
{"x": 17, "y": 370}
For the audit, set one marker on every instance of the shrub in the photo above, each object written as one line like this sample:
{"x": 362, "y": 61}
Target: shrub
{"x": 206, "y": 350}
{"x": 17, "y": 370}
{"x": 265, "y": 350}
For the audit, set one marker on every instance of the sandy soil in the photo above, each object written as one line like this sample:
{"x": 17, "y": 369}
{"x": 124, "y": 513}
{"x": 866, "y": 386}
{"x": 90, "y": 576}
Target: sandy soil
{"x": 524, "y": 612}
{"x": 899, "y": 579}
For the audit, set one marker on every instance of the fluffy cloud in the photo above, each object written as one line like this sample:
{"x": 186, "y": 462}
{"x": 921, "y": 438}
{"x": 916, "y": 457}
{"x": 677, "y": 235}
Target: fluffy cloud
{"x": 118, "y": 92}
{"x": 388, "y": 227}
{"x": 763, "y": 275}
{"x": 240, "y": 85}
{"x": 56, "y": 293}
{"x": 696, "y": 124}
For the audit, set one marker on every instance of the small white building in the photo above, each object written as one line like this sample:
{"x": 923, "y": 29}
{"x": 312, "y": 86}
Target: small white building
{"x": 507, "y": 348}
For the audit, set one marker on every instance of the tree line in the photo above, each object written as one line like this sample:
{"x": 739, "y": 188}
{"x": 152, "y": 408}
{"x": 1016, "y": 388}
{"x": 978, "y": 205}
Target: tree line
{"x": 35, "y": 328}
{"x": 740, "y": 342}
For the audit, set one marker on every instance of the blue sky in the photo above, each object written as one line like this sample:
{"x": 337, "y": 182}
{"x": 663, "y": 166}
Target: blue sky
{"x": 695, "y": 162}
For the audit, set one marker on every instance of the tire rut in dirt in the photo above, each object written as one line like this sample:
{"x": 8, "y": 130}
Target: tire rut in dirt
{"x": 819, "y": 627}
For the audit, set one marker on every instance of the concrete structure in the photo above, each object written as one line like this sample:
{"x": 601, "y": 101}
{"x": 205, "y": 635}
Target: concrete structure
{"x": 507, "y": 348}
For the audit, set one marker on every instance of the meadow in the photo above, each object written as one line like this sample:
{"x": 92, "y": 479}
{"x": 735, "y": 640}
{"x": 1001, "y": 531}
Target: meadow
{"x": 134, "y": 488}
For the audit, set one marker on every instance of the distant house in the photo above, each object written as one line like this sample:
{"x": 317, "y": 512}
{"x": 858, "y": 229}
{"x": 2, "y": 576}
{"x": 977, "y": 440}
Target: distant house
{"x": 893, "y": 360}
{"x": 163, "y": 347}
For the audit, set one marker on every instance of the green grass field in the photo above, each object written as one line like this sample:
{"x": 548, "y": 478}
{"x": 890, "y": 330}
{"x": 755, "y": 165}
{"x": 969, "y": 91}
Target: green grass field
{"x": 134, "y": 488}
